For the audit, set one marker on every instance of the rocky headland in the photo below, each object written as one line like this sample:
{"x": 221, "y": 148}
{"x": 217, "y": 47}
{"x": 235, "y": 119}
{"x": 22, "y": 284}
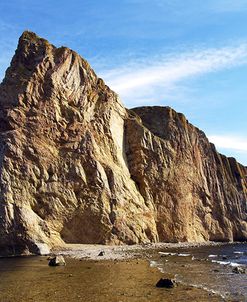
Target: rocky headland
{"x": 78, "y": 167}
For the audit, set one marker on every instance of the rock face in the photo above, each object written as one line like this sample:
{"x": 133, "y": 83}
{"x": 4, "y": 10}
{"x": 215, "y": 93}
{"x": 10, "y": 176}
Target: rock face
{"x": 198, "y": 194}
{"x": 77, "y": 167}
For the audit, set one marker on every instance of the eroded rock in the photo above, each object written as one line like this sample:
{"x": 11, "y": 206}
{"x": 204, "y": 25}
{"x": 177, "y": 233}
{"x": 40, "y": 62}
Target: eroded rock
{"x": 77, "y": 167}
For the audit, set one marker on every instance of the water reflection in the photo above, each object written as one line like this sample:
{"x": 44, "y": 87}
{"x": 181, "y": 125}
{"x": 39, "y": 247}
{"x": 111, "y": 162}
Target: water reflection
{"x": 30, "y": 279}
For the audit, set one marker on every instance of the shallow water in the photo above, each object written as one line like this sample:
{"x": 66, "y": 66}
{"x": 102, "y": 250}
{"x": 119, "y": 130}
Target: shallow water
{"x": 209, "y": 268}
{"x": 31, "y": 279}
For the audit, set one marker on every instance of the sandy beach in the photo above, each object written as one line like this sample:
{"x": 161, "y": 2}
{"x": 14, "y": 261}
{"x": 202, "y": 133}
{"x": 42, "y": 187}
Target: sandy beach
{"x": 121, "y": 252}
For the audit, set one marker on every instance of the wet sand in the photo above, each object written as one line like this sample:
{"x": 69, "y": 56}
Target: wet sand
{"x": 122, "y": 274}
{"x": 31, "y": 279}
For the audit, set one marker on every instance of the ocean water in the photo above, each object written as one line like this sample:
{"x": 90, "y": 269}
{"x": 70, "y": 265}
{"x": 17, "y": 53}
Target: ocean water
{"x": 209, "y": 268}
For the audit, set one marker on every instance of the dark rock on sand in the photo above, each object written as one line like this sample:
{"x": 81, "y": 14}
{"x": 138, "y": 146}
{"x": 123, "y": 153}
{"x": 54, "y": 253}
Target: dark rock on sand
{"x": 102, "y": 253}
{"x": 166, "y": 283}
{"x": 238, "y": 270}
{"x": 57, "y": 261}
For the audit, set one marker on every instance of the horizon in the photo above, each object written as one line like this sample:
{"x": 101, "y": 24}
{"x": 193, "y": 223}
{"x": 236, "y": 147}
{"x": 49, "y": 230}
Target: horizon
{"x": 193, "y": 60}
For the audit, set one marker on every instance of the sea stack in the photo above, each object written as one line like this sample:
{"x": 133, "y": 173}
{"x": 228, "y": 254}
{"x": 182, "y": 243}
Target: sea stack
{"x": 78, "y": 167}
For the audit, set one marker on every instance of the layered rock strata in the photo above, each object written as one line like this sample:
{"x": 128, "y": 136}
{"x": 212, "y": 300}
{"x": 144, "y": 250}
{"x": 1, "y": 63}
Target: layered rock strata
{"x": 77, "y": 167}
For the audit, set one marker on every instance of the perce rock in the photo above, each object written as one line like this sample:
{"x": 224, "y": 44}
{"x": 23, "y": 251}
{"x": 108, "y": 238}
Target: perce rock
{"x": 77, "y": 167}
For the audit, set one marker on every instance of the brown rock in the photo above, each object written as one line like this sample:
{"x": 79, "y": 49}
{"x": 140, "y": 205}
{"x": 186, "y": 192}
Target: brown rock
{"x": 198, "y": 193}
{"x": 77, "y": 167}
{"x": 57, "y": 261}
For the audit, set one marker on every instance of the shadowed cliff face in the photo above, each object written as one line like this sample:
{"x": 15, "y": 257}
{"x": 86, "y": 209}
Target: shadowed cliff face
{"x": 77, "y": 167}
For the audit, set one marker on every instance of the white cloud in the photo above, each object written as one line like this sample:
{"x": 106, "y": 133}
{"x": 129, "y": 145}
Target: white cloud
{"x": 150, "y": 78}
{"x": 229, "y": 142}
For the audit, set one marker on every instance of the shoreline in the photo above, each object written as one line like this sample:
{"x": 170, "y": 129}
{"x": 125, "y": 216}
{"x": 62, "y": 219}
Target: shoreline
{"x": 149, "y": 254}
{"x": 123, "y": 252}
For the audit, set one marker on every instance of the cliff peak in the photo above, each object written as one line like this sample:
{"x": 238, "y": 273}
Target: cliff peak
{"x": 31, "y": 37}
{"x": 30, "y": 44}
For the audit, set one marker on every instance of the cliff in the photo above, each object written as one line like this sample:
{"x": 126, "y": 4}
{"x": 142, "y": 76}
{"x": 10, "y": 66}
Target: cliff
{"x": 77, "y": 167}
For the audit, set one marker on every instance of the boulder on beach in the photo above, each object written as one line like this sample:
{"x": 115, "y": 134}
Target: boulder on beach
{"x": 102, "y": 253}
{"x": 238, "y": 270}
{"x": 166, "y": 283}
{"x": 57, "y": 261}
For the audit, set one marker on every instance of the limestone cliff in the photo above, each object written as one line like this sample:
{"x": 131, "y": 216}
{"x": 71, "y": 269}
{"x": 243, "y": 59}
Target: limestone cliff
{"x": 77, "y": 167}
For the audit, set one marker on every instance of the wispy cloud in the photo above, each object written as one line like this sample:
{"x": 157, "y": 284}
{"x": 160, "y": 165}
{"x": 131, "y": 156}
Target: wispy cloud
{"x": 150, "y": 78}
{"x": 229, "y": 142}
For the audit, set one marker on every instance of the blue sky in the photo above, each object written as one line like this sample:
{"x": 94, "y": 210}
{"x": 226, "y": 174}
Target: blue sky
{"x": 190, "y": 55}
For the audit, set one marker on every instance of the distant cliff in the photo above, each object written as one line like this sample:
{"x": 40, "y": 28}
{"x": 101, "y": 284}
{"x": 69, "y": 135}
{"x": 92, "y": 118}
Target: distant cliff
{"x": 77, "y": 167}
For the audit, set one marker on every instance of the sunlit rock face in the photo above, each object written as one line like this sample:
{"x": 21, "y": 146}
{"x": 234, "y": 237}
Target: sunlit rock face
{"x": 198, "y": 194}
{"x": 77, "y": 167}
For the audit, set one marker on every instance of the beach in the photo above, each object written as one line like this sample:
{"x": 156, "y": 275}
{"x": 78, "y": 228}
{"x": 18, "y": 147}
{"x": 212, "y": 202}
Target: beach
{"x": 121, "y": 252}
{"x": 123, "y": 273}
